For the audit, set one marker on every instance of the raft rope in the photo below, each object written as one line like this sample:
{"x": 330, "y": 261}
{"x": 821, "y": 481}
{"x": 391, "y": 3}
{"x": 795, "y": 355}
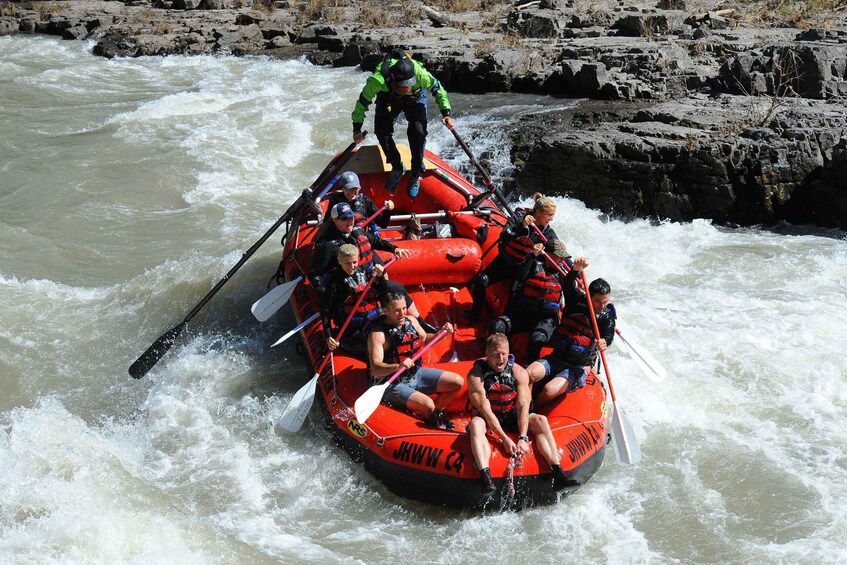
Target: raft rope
{"x": 510, "y": 476}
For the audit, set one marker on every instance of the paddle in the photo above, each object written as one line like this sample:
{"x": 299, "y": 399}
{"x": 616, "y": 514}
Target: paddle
{"x": 373, "y": 216}
{"x": 297, "y": 328}
{"x": 648, "y": 365}
{"x": 489, "y": 184}
{"x": 298, "y": 408}
{"x": 149, "y": 358}
{"x": 369, "y": 401}
{"x": 623, "y": 437}
{"x": 278, "y": 296}
{"x": 265, "y": 307}
{"x": 161, "y": 346}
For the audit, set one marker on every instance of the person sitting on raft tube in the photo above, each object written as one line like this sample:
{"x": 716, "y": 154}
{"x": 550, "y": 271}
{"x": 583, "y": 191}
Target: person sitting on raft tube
{"x": 400, "y": 84}
{"x": 342, "y": 287}
{"x": 536, "y": 300}
{"x": 574, "y": 345}
{"x": 363, "y": 207}
{"x": 391, "y": 344}
{"x": 499, "y": 392}
{"x": 342, "y": 230}
{"x": 518, "y": 243}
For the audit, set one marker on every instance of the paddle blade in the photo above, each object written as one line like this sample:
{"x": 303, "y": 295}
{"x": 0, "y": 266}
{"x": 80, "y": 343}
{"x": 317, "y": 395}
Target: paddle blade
{"x": 278, "y": 296}
{"x": 366, "y": 404}
{"x": 155, "y": 352}
{"x": 298, "y": 409}
{"x": 626, "y": 446}
{"x": 297, "y": 328}
{"x": 648, "y": 365}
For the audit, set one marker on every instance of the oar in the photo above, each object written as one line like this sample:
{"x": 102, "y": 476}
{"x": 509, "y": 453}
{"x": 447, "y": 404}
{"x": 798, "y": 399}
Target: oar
{"x": 373, "y": 216}
{"x": 623, "y": 438}
{"x": 161, "y": 346}
{"x": 648, "y": 365}
{"x": 369, "y": 401}
{"x": 298, "y": 408}
{"x": 297, "y": 328}
{"x": 279, "y": 296}
{"x": 489, "y": 184}
{"x": 265, "y": 307}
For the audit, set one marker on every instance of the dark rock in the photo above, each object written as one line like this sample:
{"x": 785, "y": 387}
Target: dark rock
{"x": 642, "y": 25}
{"x": 75, "y": 32}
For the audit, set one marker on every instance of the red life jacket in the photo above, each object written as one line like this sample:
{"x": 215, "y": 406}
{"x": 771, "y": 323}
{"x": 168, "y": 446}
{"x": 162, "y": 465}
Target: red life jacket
{"x": 500, "y": 388}
{"x": 519, "y": 247}
{"x": 576, "y": 339}
{"x": 368, "y": 307}
{"x": 366, "y": 254}
{"x": 543, "y": 288}
{"x": 401, "y": 342}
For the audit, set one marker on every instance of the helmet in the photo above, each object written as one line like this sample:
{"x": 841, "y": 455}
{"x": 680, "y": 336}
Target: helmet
{"x": 403, "y": 72}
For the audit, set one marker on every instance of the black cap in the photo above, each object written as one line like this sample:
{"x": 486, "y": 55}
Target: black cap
{"x": 403, "y": 72}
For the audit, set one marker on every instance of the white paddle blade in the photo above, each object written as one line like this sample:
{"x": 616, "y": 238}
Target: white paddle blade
{"x": 648, "y": 365}
{"x": 366, "y": 404}
{"x": 265, "y": 307}
{"x": 298, "y": 409}
{"x": 296, "y": 329}
{"x": 626, "y": 446}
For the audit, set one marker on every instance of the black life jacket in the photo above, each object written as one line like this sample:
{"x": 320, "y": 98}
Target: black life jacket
{"x": 544, "y": 289}
{"x": 500, "y": 388}
{"x": 401, "y": 342}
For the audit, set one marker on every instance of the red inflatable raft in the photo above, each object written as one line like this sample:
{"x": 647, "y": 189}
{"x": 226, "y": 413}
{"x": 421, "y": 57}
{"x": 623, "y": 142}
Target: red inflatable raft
{"x": 411, "y": 458}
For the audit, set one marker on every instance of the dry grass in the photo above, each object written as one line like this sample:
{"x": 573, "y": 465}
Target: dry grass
{"x": 8, "y": 9}
{"x": 264, "y": 6}
{"x": 794, "y": 13}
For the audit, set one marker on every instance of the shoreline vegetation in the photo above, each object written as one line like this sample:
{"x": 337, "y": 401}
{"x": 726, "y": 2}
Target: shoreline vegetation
{"x": 726, "y": 110}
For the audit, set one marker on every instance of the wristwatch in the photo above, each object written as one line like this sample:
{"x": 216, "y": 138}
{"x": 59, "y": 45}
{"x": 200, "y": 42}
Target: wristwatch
{"x": 525, "y": 438}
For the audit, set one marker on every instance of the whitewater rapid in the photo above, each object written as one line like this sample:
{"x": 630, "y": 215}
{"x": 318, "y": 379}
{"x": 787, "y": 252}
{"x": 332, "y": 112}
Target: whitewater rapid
{"x": 129, "y": 187}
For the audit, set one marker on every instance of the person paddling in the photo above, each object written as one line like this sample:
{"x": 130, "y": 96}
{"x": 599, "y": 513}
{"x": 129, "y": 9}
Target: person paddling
{"x": 363, "y": 207}
{"x": 519, "y": 242}
{"x": 391, "y": 344}
{"x": 575, "y": 350}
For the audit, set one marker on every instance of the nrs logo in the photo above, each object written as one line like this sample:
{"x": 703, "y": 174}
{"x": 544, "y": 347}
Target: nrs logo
{"x": 357, "y": 429}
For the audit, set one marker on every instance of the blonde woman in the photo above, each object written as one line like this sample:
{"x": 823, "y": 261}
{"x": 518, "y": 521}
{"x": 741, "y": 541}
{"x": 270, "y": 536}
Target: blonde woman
{"x": 519, "y": 243}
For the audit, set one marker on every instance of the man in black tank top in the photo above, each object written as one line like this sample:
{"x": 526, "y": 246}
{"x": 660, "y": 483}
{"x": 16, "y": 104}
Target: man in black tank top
{"x": 391, "y": 345}
{"x": 500, "y": 395}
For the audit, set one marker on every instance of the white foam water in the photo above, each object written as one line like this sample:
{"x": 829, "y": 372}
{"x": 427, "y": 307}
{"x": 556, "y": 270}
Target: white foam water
{"x": 129, "y": 187}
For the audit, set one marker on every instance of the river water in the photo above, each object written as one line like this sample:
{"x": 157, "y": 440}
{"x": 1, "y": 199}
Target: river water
{"x": 128, "y": 188}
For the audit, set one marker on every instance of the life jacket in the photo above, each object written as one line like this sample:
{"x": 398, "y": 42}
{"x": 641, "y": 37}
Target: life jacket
{"x": 519, "y": 247}
{"x": 368, "y": 307}
{"x": 366, "y": 254}
{"x": 576, "y": 338}
{"x": 543, "y": 288}
{"x": 500, "y": 388}
{"x": 401, "y": 342}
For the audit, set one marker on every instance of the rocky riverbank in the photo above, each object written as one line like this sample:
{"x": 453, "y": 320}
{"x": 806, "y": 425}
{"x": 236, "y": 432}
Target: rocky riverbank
{"x": 731, "y": 111}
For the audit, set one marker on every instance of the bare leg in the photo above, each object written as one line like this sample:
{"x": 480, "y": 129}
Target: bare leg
{"x": 449, "y": 385}
{"x": 544, "y": 438}
{"x": 558, "y": 386}
{"x": 480, "y": 447}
